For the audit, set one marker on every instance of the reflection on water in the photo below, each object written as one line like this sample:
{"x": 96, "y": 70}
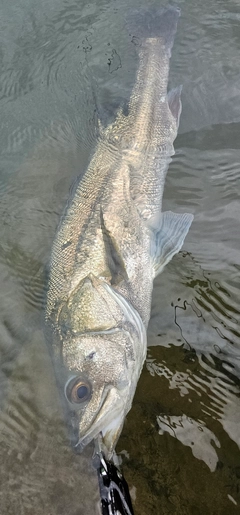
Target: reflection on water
{"x": 63, "y": 64}
{"x": 194, "y": 434}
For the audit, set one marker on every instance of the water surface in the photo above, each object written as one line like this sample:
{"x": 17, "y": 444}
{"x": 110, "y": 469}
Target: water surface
{"x": 64, "y": 64}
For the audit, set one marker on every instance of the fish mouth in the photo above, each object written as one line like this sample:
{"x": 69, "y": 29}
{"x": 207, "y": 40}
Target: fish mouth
{"x": 108, "y": 422}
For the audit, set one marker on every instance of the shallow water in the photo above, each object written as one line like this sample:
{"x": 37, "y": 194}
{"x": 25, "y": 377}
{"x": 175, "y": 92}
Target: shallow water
{"x": 63, "y": 64}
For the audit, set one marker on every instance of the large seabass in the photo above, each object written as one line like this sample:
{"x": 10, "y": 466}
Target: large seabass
{"x": 111, "y": 243}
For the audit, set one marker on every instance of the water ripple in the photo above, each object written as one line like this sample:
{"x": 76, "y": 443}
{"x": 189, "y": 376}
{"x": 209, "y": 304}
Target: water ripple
{"x": 207, "y": 325}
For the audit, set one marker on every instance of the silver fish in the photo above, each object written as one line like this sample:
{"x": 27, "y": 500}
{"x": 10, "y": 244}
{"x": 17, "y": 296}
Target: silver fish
{"x": 111, "y": 243}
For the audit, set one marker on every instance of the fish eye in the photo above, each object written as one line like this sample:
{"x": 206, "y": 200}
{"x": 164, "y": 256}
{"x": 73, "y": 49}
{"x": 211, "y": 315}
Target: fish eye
{"x": 78, "y": 390}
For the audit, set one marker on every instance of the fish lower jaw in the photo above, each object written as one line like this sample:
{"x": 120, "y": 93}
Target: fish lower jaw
{"x": 105, "y": 435}
{"x": 110, "y": 434}
{"x": 106, "y": 428}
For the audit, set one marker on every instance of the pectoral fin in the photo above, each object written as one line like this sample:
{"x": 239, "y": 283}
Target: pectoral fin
{"x": 114, "y": 259}
{"x": 174, "y": 102}
{"x": 169, "y": 238}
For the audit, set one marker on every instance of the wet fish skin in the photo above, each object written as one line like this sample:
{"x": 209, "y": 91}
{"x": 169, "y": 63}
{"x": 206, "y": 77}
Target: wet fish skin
{"x": 113, "y": 241}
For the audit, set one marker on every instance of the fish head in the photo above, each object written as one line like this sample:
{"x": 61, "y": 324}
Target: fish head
{"x": 102, "y": 353}
{"x": 102, "y": 378}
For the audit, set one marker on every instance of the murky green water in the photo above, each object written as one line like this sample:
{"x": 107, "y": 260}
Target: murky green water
{"x": 62, "y": 63}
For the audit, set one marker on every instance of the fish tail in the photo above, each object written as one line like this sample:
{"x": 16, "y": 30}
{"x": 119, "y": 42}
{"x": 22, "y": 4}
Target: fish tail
{"x": 154, "y": 23}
